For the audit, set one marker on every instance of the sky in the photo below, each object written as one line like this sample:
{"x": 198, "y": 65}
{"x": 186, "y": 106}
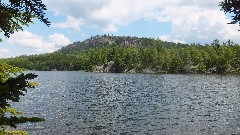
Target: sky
{"x": 183, "y": 21}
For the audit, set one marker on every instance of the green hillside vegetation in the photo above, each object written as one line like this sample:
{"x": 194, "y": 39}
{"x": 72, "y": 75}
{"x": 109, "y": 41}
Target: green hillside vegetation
{"x": 136, "y": 55}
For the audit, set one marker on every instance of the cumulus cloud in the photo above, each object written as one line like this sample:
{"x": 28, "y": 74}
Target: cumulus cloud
{"x": 4, "y": 50}
{"x": 192, "y": 20}
{"x": 37, "y": 43}
{"x": 195, "y": 25}
{"x": 70, "y": 23}
{"x": 107, "y": 15}
{"x": 3, "y": 53}
{"x": 170, "y": 39}
{"x": 58, "y": 40}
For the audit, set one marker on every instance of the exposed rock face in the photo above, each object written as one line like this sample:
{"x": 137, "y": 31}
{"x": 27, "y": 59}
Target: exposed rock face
{"x": 149, "y": 71}
{"x": 212, "y": 70}
{"x": 110, "y": 40}
{"x": 196, "y": 71}
{"x": 218, "y": 70}
{"x": 100, "y": 68}
{"x": 132, "y": 71}
{"x": 109, "y": 67}
{"x": 105, "y": 68}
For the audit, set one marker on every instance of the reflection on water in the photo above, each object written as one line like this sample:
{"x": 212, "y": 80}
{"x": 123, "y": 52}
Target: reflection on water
{"x": 89, "y": 103}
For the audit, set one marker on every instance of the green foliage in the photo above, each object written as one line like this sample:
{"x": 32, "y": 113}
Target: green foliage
{"x": 15, "y": 132}
{"x": 13, "y": 84}
{"x": 232, "y": 7}
{"x": 137, "y": 55}
{"x": 17, "y": 13}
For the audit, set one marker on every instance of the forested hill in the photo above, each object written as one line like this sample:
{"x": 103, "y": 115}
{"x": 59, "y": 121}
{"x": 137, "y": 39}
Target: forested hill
{"x": 106, "y": 40}
{"x": 136, "y": 55}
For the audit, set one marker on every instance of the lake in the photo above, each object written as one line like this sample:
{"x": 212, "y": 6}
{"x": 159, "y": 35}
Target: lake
{"x": 75, "y": 103}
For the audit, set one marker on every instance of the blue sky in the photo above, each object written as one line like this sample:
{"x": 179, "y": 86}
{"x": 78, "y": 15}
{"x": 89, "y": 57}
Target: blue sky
{"x": 184, "y": 21}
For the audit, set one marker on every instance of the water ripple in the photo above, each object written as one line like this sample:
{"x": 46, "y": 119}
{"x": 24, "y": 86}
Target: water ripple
{"x": 89, "y": 103}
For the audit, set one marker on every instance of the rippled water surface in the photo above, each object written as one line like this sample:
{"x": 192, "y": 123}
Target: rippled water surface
{"x": 75, "y": 103}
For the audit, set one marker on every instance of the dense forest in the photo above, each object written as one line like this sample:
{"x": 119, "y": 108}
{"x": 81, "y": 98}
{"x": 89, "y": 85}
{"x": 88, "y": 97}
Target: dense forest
{"x": 136, "y": 55}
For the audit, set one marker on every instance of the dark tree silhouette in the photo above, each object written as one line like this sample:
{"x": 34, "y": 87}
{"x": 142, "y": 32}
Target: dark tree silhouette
{"x": 16, "y": 13}
{"x": 232, "y": 7}
{"x": 13, "y": 82}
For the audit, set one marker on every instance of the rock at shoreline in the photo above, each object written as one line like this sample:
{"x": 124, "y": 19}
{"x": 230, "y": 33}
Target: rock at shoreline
{"x": 109, "y": 67}
{"x": 105, "y": 68}
{"x": 99, "y": 68}
{"x": 149, "y": 71}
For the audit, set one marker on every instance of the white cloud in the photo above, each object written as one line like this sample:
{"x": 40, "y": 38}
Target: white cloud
{"x": 70, "y": 23}
{"x": 210, "y": 4}
{"x": 4, "y": 50}
{"x": 192, "y": 20}
{"x": 58, "y": 40}
{"x": 165, "y": 38}
{"x": 196, "y": 25}
{"x": 107, "y": 15}
{"x": 37, "y": 43}
{"x": 3, "y": 53}
{"x": 170, "y": 39}
{"x": 178, "y": 41}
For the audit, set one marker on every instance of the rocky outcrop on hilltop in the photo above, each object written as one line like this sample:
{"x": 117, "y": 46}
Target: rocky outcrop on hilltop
{"x": 106, "y": 40}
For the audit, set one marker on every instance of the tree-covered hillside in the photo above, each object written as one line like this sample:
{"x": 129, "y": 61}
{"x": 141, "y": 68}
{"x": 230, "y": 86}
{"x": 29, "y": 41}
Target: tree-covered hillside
{"x": 131, "y": 54}
{"x": 106, "y": 40}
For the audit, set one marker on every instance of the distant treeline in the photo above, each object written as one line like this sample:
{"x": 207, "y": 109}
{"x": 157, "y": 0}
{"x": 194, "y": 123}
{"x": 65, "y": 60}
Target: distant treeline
{"x": 137, "y": 55}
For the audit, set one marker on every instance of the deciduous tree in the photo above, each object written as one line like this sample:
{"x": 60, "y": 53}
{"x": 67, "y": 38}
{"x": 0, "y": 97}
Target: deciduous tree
{"x": 16, "y": 13}
{"x": 232, "y": 7}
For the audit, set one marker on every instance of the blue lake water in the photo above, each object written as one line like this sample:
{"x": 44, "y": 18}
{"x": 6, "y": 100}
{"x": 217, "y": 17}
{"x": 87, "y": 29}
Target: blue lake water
{"x": 76, "y": 103}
